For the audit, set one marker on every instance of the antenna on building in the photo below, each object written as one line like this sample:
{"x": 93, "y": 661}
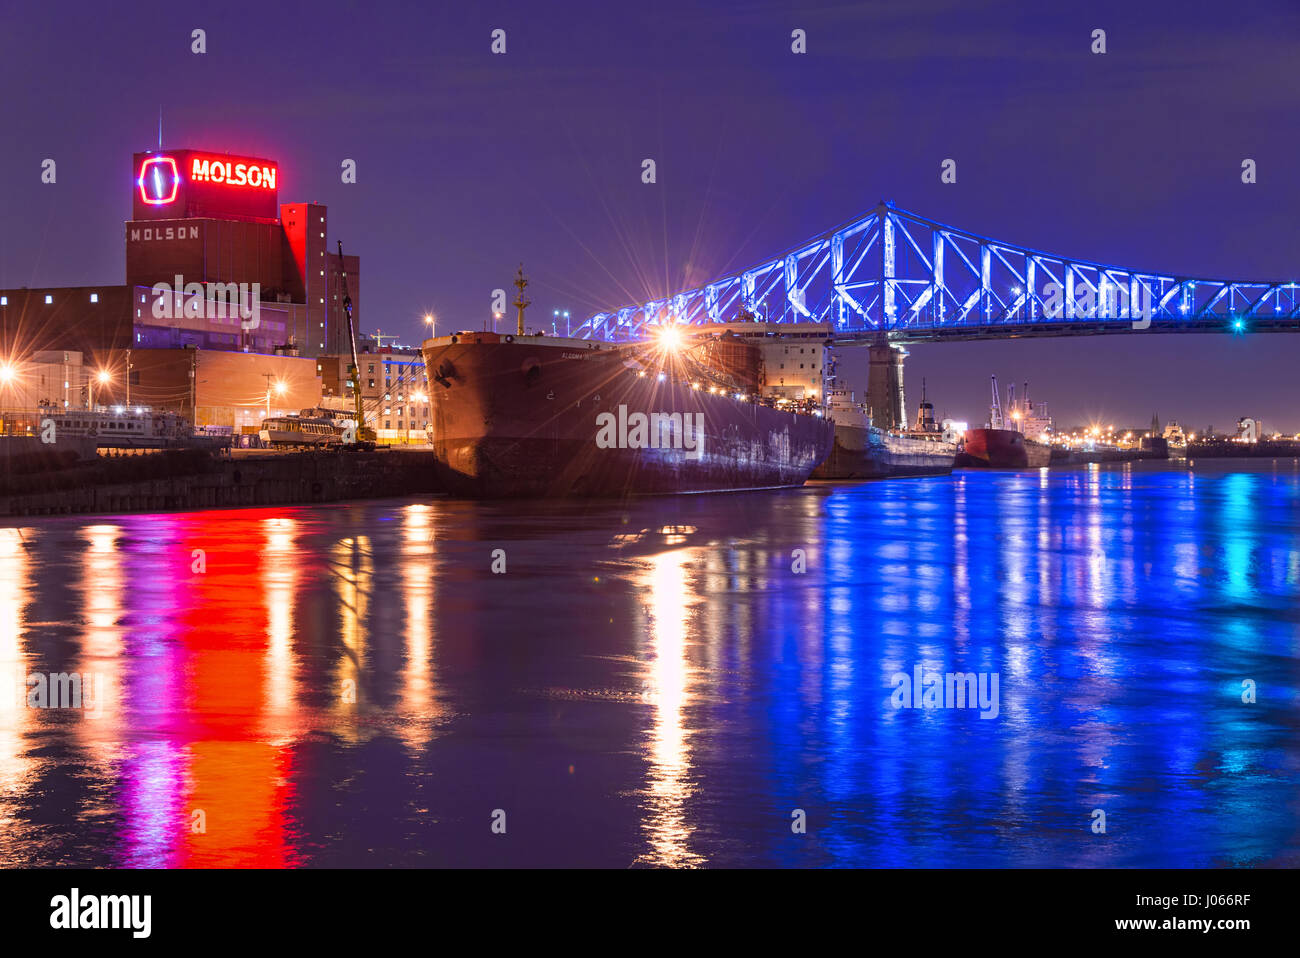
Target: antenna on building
{"x": 160, "y": 128}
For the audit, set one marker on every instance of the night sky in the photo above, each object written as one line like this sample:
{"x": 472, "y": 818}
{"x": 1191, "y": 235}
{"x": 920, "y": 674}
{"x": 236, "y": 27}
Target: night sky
{"x": 469, "y": 163}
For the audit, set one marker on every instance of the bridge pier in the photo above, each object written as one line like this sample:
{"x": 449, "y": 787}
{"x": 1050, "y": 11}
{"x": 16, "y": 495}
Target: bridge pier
{"x": 885, "y": 386}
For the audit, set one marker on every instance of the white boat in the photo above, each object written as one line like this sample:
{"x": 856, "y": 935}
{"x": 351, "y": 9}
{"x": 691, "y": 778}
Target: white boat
{"x": 300, "y": 431}
{"x": 122, "y": 427}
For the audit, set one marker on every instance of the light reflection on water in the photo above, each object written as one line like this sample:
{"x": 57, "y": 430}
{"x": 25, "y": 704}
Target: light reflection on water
{"x": 663, "y": 683}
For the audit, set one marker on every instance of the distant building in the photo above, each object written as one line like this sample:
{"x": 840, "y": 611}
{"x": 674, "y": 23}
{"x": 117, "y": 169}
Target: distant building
{"x": 394, "y": 390}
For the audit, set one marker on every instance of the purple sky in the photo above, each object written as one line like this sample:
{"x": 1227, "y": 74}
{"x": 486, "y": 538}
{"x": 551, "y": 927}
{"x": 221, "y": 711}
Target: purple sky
{"x": 469, "y": 163}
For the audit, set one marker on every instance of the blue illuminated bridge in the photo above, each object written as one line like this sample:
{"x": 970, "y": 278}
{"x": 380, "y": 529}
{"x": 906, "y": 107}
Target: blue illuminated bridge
{"x": 895, "y": 275}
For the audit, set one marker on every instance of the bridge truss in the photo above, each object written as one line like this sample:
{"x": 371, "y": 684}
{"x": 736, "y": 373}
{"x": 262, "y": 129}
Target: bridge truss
{"x": 895, "y": 274}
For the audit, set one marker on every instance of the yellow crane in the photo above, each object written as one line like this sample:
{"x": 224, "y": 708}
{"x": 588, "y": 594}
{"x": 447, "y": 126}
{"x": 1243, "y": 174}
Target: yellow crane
{"x": 365, "y": 435}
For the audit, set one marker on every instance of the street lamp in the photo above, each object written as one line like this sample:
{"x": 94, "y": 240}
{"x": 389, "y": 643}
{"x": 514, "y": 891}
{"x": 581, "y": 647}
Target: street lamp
{"x": 431, "y": 321}
{"x": 103, "y": 377}
{"x": 278, "y": 385}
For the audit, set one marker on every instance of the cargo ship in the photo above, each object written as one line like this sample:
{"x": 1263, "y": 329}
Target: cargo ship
{"x": 864, "y": 451}
{"x": 1009, "y": 441}
{"x": 531, "y": 415}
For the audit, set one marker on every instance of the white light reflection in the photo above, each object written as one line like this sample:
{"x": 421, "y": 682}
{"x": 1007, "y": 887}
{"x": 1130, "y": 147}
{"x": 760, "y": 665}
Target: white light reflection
{"x": 418, "y": 700}
{"x": 353, "y": 571}
{"x": 15, "y": 593}
{"x": 665, "y": 822}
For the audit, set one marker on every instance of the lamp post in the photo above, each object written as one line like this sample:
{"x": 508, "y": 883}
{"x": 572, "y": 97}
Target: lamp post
{"x": 6, "y": 377}
{"x": 104, "y": 377}
{"x": 432, "y": 322}
{"x": 279, "y": 387}
{"x": 7, "y": 374}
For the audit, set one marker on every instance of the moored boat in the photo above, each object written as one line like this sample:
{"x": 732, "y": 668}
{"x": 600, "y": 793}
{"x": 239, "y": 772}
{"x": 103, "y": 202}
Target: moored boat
{"x": 1003, "y": 449}
{"x": 1009, "y": 441}
{"x": 521, "y": 415}
{"x": 864, "y": 451}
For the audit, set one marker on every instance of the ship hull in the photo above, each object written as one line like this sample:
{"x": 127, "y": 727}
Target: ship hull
{"x": 527, "y": 417}
{"x": 1003, "y": 449}
{"x": 860, "y": 453}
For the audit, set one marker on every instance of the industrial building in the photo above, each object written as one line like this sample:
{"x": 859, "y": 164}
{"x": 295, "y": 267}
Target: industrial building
{"x": 228, "y": 298}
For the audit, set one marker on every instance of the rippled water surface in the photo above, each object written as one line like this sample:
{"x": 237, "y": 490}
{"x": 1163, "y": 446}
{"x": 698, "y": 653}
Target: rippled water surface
{"x": 659, "y": 684}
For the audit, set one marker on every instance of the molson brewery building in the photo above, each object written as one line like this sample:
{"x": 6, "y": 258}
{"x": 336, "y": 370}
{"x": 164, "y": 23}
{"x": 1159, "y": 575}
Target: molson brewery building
{"x": 229, "y": 298}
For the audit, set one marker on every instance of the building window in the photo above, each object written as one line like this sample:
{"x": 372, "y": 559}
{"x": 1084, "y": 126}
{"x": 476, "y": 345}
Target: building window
{"x": 48, "y": 299}
{"x": 4, "y": 300}
{"x": 94, "y": 297}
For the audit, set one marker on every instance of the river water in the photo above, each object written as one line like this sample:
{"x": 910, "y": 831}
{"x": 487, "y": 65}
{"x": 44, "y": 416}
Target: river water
{"x": 702, "y": 680}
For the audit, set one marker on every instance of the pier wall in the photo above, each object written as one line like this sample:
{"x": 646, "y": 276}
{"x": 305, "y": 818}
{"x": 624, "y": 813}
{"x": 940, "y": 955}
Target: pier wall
{"x": 173, "y": 482}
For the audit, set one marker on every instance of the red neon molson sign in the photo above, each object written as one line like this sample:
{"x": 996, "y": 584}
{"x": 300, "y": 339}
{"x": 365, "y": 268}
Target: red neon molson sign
{"x": 159, "y": 180}
{"x": 194, "y": 184}
{"x": 215, "y": 170}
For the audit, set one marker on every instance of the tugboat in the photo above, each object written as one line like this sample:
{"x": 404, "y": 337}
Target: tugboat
{"x": 864, "y": 451}
{"x": 1003, "y": 443}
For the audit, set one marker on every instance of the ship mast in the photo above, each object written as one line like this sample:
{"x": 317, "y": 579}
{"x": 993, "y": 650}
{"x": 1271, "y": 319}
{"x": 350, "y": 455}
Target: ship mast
{"x": 521, "y": 303}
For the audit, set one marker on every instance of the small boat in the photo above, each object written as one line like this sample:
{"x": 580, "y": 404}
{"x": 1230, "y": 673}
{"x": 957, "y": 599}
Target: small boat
{"x": 282, "y": 432}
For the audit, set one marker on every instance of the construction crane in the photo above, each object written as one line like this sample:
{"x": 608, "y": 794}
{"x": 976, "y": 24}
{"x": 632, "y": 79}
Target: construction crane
{"x": 365, "y": 435}
{"x": 995, "y": 411}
